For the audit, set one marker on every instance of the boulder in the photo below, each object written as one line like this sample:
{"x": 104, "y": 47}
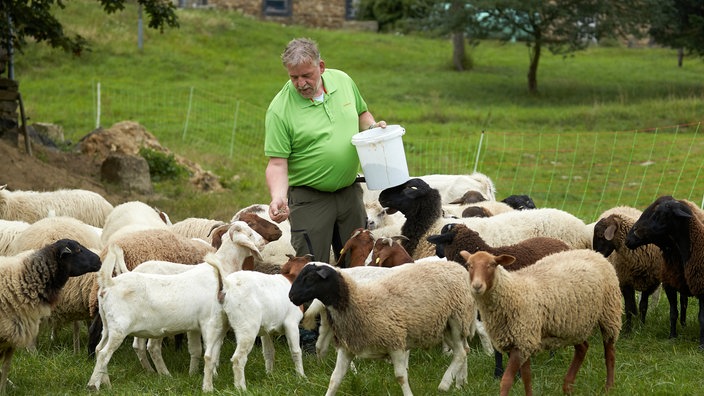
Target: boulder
{"x": 130, "y": 172}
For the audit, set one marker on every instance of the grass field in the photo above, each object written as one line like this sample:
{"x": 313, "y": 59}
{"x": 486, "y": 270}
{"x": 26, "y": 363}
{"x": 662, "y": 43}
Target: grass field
{"x": 580, "y": 127}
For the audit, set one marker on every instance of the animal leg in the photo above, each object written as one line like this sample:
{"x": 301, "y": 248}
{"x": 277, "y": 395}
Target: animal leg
{"x": 629, "y": 297}
{"x": 154, "y": 348}
{"x": 580, "y": 351}
{"x": 195, "y": 350}
{"x": 498, "y": 364}
{"x": 294, "y": 347}
{"x": 610, "y": 359}
{"x": 671, "y": 294}
{"x": 701, "y": 320}
{"x": 140, "y": 348}
{"x": 514, "y": 363}
{"x": 459, "y": 354}
{"x": 269, "y": 352}
{"x": 103, "y": 354}
{"x": 342, "y": 364}
{"x": 400, "y": 360}
{"x": 684, "y": 302}
{"x": 527, "y": 378}
{"x": 643, "y": 305}
{"x": 6, "y": 358}
{"x": 239, "y": 358}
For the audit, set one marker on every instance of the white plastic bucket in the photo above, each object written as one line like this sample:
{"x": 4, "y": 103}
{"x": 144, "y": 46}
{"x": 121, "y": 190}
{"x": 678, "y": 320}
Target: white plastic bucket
{"x": 382, "y": 157}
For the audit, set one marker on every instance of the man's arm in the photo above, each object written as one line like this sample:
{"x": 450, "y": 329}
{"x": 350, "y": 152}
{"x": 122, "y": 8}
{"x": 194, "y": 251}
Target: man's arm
{"x": 277, "y": 180}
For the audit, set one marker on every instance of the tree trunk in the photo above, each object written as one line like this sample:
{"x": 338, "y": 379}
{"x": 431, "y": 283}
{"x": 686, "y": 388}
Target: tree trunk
{"x": 458, "y": 54}
{"x": 533, "y": 68}
{"x": 680, "y": 56}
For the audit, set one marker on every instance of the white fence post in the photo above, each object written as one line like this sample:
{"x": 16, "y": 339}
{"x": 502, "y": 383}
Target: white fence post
{"x": 188, "y": 114}
{"x": 234, "y": 128}
{"x": 97, "y": 111}
{"x": 479, "y": 150}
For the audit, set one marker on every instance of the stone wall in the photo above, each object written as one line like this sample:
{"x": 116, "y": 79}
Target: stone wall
{"x": 313, "y": 13}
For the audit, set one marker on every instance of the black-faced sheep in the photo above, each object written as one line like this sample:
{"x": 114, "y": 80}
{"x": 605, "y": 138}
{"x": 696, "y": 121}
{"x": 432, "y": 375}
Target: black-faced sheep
{"x": 30, "y": 206}
{"x": 376, "y": 319}
{"x": 30, "y": 284}
{"x": 519, "y": 202}
{"x": 422, "y": 208}
{"x": 677, "y": 228}
{"x": 556, "y": 302}
{"x": 638, "y": 269}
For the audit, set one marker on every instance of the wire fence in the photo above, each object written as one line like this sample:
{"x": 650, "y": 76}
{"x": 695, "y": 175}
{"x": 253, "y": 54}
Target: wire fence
{"x": 584, "y": 173}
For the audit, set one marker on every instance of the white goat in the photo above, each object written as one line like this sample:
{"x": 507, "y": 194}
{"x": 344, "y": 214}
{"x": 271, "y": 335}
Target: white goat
{"x": 168, "y": 305}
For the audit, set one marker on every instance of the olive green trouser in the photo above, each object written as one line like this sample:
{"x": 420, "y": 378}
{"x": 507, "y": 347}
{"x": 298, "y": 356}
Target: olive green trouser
{"x": 322, "y": 219}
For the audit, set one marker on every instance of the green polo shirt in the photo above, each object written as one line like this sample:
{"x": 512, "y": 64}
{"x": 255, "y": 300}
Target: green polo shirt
{"x": 315, "y": 136}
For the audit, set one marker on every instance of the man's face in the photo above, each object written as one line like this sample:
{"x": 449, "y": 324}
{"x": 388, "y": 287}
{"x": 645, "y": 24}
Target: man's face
{"x": 306, "y": 78}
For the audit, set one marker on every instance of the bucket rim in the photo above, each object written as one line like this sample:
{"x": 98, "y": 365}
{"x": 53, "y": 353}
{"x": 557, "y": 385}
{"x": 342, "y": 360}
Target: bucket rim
{"x": 378, "y": 134}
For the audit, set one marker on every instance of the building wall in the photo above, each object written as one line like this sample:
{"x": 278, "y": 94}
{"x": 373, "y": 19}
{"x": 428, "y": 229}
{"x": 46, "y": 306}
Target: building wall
{"x": 312, "y": 13}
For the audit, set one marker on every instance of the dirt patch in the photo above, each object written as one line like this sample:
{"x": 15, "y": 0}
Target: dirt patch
{"x": 50, "y": 169}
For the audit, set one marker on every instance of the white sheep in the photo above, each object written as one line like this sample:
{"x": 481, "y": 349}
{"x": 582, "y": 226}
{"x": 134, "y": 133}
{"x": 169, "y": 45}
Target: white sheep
{"x": 129, "y": 217}
{"x": 257, "y": 304}
{"x": 422, "y": 207}
{"x": 196, "y": 227}
{"x": 453, "y": 187}
{"x": 556, "y": 302}
{"x": 30, "y": 206}
{"x": 168, "y": 305}
{"x": 637, "y": 270}
{"x": 9, "y": 231}
{"x": 489, "y": 208}
{"x": 377, "y": 319}
{"x": 30, "y": 283}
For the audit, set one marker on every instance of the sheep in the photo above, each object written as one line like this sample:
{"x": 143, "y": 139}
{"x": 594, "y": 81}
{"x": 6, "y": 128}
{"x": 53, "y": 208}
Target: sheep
{"x": 30, "y": 206}
{"x": 196, "y": 227}
{"x": 9, "y": 231}
{"x": 637, "y": 269}
{"x": 469, "y": 197}
{"x": 677, "y": 228}
{"x": 30, "y": 283}
{"x": 388, "y": 252}
{"x": 357, "y": 249}
{"x": 422, "y": 207}
{"x": 381, "y": 222}
{"x": 452, "y": 187}
{"x": 129, "y": 217}
{"x": 72, "y": 305}
{"x": 556, "y": 302}
{"x": 168, "y": 305}
{"x": 257, "y": 304}
{"x": 519, "y": 202}
{"x": 51, "y": 229}
{"x": 455, "y": 238}
{"x": 375, "y": 319}
{"x": 478, "y": 209}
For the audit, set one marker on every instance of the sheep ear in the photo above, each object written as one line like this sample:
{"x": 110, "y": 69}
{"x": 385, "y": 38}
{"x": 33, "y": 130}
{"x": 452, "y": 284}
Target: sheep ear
{"x": 465, "y": 255}
{"x": 609, "y": 232}
{"x": 681, "y": 213}
{"x": 65, "y": 251}
{"x": 322, "y": 272}
{"x": 505, "y": 259}
{"x": 442, "y": 238}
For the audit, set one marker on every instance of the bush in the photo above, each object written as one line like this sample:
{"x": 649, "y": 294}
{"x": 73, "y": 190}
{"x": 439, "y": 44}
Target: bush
{"x": 162, "y": 166}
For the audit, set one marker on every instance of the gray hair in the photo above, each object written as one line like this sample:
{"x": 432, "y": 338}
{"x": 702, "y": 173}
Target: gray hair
{"x": 300, "y": 51}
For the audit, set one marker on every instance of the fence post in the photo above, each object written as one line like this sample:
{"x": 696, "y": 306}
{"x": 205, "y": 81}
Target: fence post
{"x": 188, "y": 114}
{"x": 97, "y": 110}
{"x": 234, "y": 129}
{"x": 479, "y": 150}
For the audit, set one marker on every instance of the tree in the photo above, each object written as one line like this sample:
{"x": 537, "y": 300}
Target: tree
{"x": 679, "y": 24}
{"x": 22, "y": 19}
{"x": 563, "y": 26}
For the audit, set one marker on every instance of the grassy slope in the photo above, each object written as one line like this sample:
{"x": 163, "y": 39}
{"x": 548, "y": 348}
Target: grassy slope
{"x": 407, "y": 80}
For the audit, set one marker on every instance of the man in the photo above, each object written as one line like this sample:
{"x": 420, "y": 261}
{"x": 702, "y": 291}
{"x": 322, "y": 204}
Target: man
{"x": 312, "y": 162}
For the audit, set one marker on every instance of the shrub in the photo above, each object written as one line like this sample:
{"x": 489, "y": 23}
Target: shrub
{"x": 162, "y": 166}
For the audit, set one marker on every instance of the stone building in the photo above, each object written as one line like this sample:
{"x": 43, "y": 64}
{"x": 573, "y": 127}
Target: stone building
{"x": 332, "y": 14}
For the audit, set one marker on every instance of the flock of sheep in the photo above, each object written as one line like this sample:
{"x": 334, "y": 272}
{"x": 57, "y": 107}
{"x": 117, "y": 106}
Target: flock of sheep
{"x": 440, "y": 261}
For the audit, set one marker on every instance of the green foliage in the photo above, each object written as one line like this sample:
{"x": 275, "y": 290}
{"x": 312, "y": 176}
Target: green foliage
{"x": 679, "y": 24}
{"x": 37, "y": 20}
{"x": 162, "y": 166}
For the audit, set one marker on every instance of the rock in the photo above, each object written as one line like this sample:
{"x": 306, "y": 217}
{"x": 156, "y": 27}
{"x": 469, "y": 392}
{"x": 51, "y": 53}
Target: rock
{"x": 130, "y": 172}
